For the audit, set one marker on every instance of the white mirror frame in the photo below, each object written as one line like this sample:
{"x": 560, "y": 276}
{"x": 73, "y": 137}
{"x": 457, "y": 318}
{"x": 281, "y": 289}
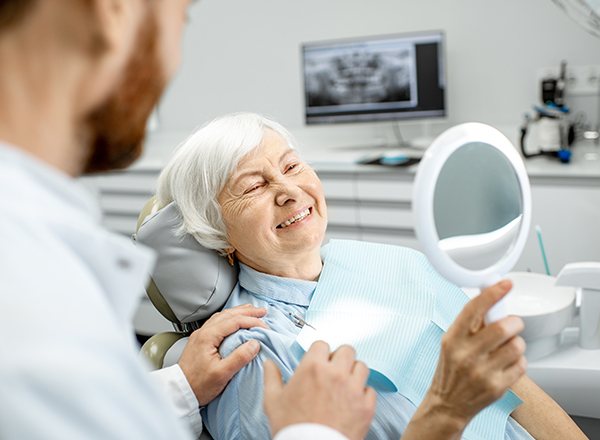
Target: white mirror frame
{"x": 423, "y": 197}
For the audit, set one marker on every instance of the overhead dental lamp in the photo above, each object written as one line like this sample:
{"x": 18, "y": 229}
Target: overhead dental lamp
{"x": 585, "y": 12}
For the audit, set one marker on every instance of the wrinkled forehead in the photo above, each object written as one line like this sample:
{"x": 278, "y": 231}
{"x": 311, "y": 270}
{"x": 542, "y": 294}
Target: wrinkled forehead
{"x": 272, "y": 148}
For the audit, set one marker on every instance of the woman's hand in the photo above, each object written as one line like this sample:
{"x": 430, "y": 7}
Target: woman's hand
{"x": 478, "y": 363}
{"x": 201, "y": 363}
{"x": 329, "y": 389}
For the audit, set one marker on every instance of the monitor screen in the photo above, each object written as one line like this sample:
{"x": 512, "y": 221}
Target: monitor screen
{"x": 375, "y": 78}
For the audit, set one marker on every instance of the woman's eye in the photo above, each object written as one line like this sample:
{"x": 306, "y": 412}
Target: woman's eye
{"x": 252, "y": 188}
{"x": 291, "y": 167}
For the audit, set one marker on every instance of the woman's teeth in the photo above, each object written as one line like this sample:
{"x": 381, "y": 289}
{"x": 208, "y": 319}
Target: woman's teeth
{"x": 294, "y": 219}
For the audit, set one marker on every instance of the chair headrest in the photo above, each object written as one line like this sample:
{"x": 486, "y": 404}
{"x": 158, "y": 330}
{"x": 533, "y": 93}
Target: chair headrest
{"x": 189, "y": 282}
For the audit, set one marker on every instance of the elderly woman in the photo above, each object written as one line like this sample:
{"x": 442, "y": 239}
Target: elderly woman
{"x": 244, "y": 191}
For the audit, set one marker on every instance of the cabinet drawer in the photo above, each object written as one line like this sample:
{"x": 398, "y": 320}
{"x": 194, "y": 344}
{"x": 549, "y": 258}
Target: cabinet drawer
{"x": 397, "y": 189}
{"x": 123, "y": 203}
{"x": 340, "y": 189}
{"x": 346, "y": 215}
{"x": 397, "y": 217}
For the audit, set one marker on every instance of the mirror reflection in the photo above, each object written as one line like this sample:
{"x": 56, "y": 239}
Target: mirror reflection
{"x": 478, "y": 207}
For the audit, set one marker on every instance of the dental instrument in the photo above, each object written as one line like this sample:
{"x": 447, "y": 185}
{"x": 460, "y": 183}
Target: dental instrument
{"x": 538, "y": 231}
{"x": 299, "y": 322}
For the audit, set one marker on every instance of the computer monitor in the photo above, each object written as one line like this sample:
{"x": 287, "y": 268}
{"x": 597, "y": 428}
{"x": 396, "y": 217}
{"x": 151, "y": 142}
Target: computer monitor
{"x": 375, "y": 78}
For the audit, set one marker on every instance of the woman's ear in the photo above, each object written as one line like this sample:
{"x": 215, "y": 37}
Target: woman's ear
{"x": 230, "y": 251}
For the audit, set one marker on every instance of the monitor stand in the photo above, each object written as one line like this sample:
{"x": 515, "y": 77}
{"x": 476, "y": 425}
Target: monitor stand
{"x": 416, "y": 143}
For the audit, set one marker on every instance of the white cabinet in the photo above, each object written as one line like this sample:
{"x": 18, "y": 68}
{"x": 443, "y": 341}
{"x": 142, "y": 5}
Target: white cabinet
{"x": 386, "y": 186}
{"x": 369, "y": 203}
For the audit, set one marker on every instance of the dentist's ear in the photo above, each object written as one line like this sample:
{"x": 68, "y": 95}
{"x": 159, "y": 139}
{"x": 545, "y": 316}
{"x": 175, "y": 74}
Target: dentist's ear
{"x": 118, "y": 21}
{"x": 108, "y": 30}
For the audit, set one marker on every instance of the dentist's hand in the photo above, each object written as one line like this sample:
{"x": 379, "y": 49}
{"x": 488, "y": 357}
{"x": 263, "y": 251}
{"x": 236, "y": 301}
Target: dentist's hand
{"x": 329, "y": 389}
{"x": 478, "y": 363}
{"x": 203, "y": 367}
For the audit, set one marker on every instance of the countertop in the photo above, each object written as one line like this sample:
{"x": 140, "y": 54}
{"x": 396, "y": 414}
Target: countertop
{"x": 585, "y": 163}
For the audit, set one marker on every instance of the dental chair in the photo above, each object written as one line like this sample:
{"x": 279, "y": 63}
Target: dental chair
{"x": 189, "y": 282}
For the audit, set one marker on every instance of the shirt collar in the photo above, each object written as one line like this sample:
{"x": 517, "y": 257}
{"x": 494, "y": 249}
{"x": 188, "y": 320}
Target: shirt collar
{"x": 288, "y": 290}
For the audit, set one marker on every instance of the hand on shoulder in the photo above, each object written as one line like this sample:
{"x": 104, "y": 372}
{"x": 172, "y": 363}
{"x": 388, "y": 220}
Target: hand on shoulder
{"x": 207, "y": 372}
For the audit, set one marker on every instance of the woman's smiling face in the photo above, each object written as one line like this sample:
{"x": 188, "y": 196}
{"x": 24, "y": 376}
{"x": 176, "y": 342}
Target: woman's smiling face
{"x": 273, "y": 207}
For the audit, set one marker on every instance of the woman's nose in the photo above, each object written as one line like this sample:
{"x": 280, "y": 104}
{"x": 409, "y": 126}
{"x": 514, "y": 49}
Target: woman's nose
{"x": 286, "y": 193}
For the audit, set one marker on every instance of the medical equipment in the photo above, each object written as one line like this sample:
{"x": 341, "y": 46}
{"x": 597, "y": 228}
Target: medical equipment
{"x": 585, "y": 276}
{"x": 555, "y": 133}
{"x": 538, "y": 232}
{"x": 585, "y": 12}
{"x": 570, "y": 372}
{"x": 393, "y": 77}
{"x": 546, "y": 310}
{"x": 472, "y": 206}
{"x": 299, "y": 322}
{"x": 553, "y": 89}
{"x": 551, "y": 130}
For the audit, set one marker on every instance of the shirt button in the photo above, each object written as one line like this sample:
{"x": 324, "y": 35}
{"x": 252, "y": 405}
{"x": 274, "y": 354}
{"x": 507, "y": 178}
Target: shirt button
{"x": 123, "y": 263}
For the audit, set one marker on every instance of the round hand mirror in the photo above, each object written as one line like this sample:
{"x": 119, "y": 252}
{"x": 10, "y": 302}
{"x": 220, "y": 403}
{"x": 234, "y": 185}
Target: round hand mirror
{"x": 472, "y": 204}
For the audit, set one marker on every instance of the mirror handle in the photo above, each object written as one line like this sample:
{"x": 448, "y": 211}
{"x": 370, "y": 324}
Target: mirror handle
{"x": 498, "y": 310}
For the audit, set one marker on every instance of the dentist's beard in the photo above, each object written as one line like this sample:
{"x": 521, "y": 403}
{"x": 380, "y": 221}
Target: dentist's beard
{"x": 116, "y": 130}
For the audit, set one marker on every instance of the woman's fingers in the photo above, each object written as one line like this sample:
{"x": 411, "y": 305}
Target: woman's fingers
{"x": 494, "y": 335}
{"x": 471, "y": 318}
{"x": 515, "y": 371}
{"x": 508, "y": 354}
{"x": 478, "y": 362}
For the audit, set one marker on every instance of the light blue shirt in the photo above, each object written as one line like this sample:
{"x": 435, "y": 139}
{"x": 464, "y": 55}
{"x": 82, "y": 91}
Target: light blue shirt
{"x": 238, "y": 412}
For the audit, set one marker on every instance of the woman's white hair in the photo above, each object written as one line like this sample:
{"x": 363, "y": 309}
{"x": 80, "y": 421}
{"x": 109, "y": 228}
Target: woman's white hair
{"x": 200, "y": 168}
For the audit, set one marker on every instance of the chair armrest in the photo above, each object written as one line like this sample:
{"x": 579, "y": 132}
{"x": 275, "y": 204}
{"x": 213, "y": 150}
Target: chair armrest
{"x": 155, "y": 348}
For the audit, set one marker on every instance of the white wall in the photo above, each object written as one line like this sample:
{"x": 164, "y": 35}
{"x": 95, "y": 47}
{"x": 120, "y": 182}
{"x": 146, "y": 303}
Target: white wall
{"x": 245, "y": 55}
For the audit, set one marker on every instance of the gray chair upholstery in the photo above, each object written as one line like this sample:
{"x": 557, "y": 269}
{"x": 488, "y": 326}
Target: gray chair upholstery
{"x": 189, "y": 282}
